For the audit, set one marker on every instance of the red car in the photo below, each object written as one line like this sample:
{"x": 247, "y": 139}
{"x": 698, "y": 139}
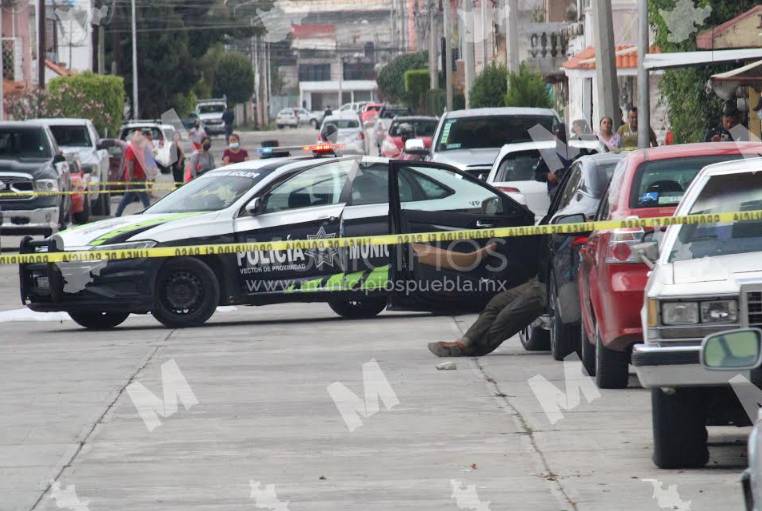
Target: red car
{"x": 370, "y": 112}
{"x": 612, "y": 278}
{"x": 405, "y": 127}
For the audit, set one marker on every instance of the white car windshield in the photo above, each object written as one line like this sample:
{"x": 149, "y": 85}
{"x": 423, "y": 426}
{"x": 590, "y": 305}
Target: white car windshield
{"x": 728, "y": 193}
{"x": 211, "y": 192}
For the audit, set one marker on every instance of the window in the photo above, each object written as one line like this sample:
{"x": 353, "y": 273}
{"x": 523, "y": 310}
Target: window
{"x": 518, "y": 166}
{"x": 19, "y": 143}
{"x": 318, "y": 186}
{"x": 434, "y": 189}
{"x": 359, "y": 71}
{"x": 664, "y": 182}
{"x": 597, "y": 177}
{"x": 728, "y": 193}
{"x": 155, "y": 132}
{"x": 342, "y": 124}
{"x": 571, "y": 188}
{"x": 392, "y": 112}
{"x": 216, "y": 108}
{"x": 71, "y": 136}
{"x": 210, "y": 192}
{"x": 314, "y": 72}
{"x": 492, "y": 131}
{"x": 421, "y": 127}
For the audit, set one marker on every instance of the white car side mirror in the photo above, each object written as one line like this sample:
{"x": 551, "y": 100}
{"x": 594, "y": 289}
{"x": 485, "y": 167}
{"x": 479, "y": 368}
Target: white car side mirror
{"x": 252, "y": 208}
{"x": 416, "y": 146}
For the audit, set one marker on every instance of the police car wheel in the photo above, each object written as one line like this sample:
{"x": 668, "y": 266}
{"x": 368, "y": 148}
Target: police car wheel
{"x": 187, "y": 293}
{"x": 99, "y": 320}
{"x": 358, "y": 309}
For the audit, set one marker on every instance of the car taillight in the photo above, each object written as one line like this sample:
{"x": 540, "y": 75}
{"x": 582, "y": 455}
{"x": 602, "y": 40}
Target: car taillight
{"x": 578, "y": 241}
{"x": 620, "y": 246}
{"x": 508, "y": 189}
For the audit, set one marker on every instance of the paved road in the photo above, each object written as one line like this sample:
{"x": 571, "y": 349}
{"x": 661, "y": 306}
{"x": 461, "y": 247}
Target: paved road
{"x": 267, "y": 382}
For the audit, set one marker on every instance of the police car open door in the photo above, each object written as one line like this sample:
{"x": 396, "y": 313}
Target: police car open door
{"x": 453, "y": 275}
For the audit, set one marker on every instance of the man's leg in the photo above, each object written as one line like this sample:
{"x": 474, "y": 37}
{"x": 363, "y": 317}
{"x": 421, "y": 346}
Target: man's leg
{"x": 127, "y": 199}
{"x": 525, "y": 308}
{"x": 481, "y": 327}
{"x": 145, "y": 199}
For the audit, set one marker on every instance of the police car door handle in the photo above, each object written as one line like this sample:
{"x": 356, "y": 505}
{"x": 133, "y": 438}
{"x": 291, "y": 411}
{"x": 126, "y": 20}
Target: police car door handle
{"x": 481, "y": 224}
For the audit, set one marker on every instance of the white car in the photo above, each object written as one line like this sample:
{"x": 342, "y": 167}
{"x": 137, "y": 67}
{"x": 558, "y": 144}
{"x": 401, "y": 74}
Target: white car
{"x": 286, "y": 117}
{"x": 78, "y": 138}
{"x": 344, "y": 129}
{"x": 706, "y": 278}
{"x": 513, "y": 171}
{"x": 163, "y": 136}
{"x": 209, "y": 112}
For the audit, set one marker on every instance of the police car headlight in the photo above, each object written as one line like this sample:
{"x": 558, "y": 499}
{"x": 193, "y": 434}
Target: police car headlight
{"x": 130, "y": 245}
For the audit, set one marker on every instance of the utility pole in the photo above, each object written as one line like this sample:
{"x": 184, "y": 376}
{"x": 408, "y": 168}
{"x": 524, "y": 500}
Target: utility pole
{"x": 468, "y": 49}
{"x": 341, "y": 80}
{"x": 135, "y": 99}
{"x": 512, "y": 35}
{"x": 433, "y": 32}
{"x": 448, "y": 51}
{"x": 485, "y": 30}
{"x": 644, "y": 103}
{"x": 41, "y": 43}
{"x": 101, "y": 49}
{"x": 605, "y": 63}
{"x": 2, "y": 67}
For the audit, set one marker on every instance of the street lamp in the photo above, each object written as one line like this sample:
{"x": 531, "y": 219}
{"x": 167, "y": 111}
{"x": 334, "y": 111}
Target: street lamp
{"x": 135, "y": 104}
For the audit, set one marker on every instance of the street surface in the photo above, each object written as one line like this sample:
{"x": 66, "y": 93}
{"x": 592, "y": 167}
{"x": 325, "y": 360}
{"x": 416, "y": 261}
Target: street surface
{"x": 265, "y": 380}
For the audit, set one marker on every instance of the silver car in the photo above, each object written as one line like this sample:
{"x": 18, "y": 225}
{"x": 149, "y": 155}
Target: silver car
{"x": 471, "y": 139}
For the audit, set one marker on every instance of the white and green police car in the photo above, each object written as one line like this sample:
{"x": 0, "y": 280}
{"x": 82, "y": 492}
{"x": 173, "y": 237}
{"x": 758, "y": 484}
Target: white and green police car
{"x": 287, "y": 199}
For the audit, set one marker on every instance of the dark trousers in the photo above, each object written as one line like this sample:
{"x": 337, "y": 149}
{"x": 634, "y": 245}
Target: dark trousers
{"x": 505, "y": 315}
{"x": 130, "y": 197}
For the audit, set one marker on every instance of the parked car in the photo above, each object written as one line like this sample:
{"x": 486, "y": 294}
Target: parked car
{"x": 286, "y": 117}
{"x": 369, "y": 113}
{"x": 305, "y": 117}
{"x": 403, "y": 128}
{"x": 706, "y": 278}
{"x": 740, "y": 351}
{"x": 612, "y": 277}
{"x": 355, "y": 107}
{"x": 79, "y": 138}
{"x": 384, "y": 119}
{"x": 209, "y": 112}
{"x": 115, "y": 148}
{"x": 472, "y": 139}
{"x": 163, "y": 141}
{"x": 345, "y": 130}
{"x": 30, "y": 161}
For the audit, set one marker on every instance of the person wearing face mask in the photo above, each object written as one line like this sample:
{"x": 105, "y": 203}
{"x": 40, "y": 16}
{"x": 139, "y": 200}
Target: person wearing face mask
{"x": 234, "y": 153}
{"x": 202, "y": 161}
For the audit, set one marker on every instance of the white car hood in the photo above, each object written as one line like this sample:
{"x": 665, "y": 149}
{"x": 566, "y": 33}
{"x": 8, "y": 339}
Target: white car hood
{"x": 85, "y": 154}
{"x": 736, "y": 267}
{"x": 464, "y": 158}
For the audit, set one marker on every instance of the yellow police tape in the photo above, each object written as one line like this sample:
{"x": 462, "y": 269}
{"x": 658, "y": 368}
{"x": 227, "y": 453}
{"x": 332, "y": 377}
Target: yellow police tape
{"x": 388, "y": 239}
{"x": 31, "y": 195}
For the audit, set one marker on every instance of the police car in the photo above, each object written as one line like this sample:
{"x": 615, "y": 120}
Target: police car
{"x": 295, "y": 198}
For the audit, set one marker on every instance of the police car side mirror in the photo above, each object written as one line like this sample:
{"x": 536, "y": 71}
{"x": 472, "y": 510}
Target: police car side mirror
{"x": 252, "y": 208}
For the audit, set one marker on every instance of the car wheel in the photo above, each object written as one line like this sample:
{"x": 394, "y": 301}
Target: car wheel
{"x": 186, "y": 293}
{"x": 358, "y": 309}
{"x": 534, "y": 338}
{"x": 99, "y": 320}
{"x": 611, "y": 367}
{"x": 587, "y": 351}
{"x": 280, "y": 126}
{"x": 679, "y": 428}
{"x": 83, "y": 216}
{"x": 563, "y": 338}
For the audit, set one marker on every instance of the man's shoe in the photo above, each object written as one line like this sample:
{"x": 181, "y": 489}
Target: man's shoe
{"x": 448, "y": 349}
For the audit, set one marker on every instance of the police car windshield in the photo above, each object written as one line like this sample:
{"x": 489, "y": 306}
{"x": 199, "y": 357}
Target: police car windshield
{"x": 211, "y": 192}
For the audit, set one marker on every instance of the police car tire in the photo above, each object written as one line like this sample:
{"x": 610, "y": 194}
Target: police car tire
{"x": 358, "y": 309}
{"x": 679, "y": 428}
{"x": 198, "y": 275}
{"x": 99, "y": 320}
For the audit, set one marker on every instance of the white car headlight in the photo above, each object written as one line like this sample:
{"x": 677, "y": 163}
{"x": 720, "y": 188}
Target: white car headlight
{"x": 720, "y": 311}
{"x": 129, "y": 245}
{"x": 680, "y": 313}
{"x": 46, "y": 185}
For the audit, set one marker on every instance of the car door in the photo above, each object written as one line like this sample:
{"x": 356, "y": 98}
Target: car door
{"x": 431, "y": 197}
{"x": 303, "y": 205}
{"x": 587, "y": 278}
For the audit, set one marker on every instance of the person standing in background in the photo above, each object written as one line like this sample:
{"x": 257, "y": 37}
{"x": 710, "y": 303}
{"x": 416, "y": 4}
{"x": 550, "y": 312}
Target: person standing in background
{"x": 134, "y": 173}
{"x": 606, "y": 134}
{"x": 228, "y": 117}
{"x": 197, "y": 135}
{"x": 628, "y": 132}
{"x": 202, "y": 161}
{"x": 178, "y": 160}
{"x": 233, "y": 153}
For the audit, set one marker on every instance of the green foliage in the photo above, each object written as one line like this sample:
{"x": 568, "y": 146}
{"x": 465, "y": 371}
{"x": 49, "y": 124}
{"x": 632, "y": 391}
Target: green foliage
{"x": 434, "y": 101}
{"x": 234, "y": 78}
{"x": 527, "y": 88}
{"x": 691, "y": 109}
{"x": 417, "y": 82}
{"x": 489, "y": 87}
{"x": 99, "y": 98}
{"x": 391, "y": 82}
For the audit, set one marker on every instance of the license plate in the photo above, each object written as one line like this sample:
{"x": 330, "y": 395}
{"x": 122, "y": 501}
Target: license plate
{"x": 42, "y": 282}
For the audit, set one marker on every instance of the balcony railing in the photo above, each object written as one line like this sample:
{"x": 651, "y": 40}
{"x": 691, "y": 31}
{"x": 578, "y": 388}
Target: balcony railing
{"x": 546, "y": 45}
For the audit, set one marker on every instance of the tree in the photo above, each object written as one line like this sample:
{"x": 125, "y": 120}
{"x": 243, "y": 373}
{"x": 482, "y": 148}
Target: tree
{"x": 489, "y": 87}
{"x": 692, "y": 110}
{"x": 391, "y": 81}
{"x": 99, "y": 98}
{"x": 234, "y": 78}
{"x": 416, "y": 86}
{"x": 527, "y": 88}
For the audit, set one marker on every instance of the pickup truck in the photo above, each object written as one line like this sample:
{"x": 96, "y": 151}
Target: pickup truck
{"x": 79, "y": 138}
{"x": 705, "y": 278}
{"x": 30, "y": 161}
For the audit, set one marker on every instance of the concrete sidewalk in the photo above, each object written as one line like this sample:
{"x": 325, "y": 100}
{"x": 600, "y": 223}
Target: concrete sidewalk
{"x": 455, "y": 440}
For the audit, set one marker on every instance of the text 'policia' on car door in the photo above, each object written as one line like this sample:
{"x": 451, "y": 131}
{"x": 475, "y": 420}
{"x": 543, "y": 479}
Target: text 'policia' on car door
{"x": 426, "y": 197}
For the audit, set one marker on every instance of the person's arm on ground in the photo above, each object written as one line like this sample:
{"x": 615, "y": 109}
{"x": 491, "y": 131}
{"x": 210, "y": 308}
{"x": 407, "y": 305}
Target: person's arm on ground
{"x": 451, "y": 260}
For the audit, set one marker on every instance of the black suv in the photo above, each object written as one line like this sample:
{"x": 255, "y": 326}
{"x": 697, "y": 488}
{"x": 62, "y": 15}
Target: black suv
{"x": 30, "y": 161}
